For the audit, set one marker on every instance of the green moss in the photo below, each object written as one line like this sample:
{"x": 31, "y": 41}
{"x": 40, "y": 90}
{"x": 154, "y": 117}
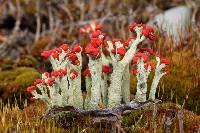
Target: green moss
{"x": 26, "y": 79}
{"x": 27, "y": 61}
{"x": 21, "y": 70}
{"x": 14, "y": 82}
{"x": 132, "y": 118}
{"x": 6, "y": 76}
{"x": 6, "y": 64}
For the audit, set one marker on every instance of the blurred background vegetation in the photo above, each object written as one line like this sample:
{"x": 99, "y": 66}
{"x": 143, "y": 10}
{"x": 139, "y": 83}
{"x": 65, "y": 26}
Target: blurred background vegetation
{"x": 28, "y": 27}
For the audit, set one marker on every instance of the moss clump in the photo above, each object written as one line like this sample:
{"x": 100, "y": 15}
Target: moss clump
{"x": 14, "y": 82}
{"x": 24, "y": 80}
{"x": 168, "y": 109}
{"x": 6, "y": 64}
{"x": 27, "y": 61}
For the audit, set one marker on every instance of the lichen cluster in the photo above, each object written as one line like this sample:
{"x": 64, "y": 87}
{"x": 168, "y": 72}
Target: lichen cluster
{"x": 107, "y": 76}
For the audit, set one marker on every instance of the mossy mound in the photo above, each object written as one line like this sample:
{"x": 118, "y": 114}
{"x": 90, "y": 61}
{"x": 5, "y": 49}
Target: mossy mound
{"x": 14, "y": 82}
{"x": 27, "y": 61}
{"x": 142, "y": 121}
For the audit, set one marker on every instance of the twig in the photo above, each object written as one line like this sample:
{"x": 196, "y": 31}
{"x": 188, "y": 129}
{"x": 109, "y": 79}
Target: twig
{"x": 51, "y": 19}
{"x": 180, "y": 118}
{"x": 37, "y": 35}
{"x": 136, "y": 123}
{"x": 64, "y": 8}
{"x": 154, "y": 119}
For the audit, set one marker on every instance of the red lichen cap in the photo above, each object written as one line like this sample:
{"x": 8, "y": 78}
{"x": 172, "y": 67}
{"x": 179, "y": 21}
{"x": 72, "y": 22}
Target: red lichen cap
{"x": 148, "y": 32}
{"x": 147, "y": 65}
{"x": 76, "y": 62}
{"x": 74, "y": 74}
{"x": 51, "y": 81}
{"x": 96, "y": 34}
{"x": 132, "y": 26}
{"x": 86, "y": 72}
{"x": 59, "y": 50}
{"x": 106, "y": 69}
{"x": 72, "y": 56}
{"x": 113, "y": 51}
{"x": 105, "y": 44}
{"x": 46, "y": 74}
{"x": 121, "y": 51}
{"x": 92, "y": 51}
{"x": 116, "y": 40}
{"x": 96, "y": 42}
{"x": 55, "y": 56}
{"x": 134, "y": 72}
{"x": 63, "y": 71}
{"x": 152, "y": 67}
{"x": 30, "y": 89}
{"x": 45, "y": 54}
{"x": 99, "y": 27}
{"x": 140, "y": 55}
{"x": 148, "y": 50}
{"x": 127, "y": 42}
{"x": 39, "y": 81}
{"x": 55, "y": 73}
{"x": 64, "y": 47}
{"x": 77, "y": 48}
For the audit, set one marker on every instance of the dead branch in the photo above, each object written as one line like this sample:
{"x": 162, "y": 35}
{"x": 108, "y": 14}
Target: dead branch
{"x": 116, "y": 111}
{"x": 114, "y": 115}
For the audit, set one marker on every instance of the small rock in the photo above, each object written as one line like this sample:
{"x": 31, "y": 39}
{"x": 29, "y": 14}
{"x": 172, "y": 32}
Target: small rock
{"x": 174, "y": 21}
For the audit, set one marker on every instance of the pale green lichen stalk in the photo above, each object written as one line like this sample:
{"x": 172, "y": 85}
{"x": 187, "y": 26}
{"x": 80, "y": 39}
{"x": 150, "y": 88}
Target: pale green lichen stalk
{"x": 142, "y": 76}
{"x": 159, "y": 73}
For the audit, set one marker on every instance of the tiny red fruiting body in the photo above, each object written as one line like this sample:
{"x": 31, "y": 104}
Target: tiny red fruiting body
{"x": 106, "y": 69}
{"x": 86, "y": 72}
{"x": 30, "y": 89}
{"x": 55, "y": 73}
{"x": 51, "y": 81}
